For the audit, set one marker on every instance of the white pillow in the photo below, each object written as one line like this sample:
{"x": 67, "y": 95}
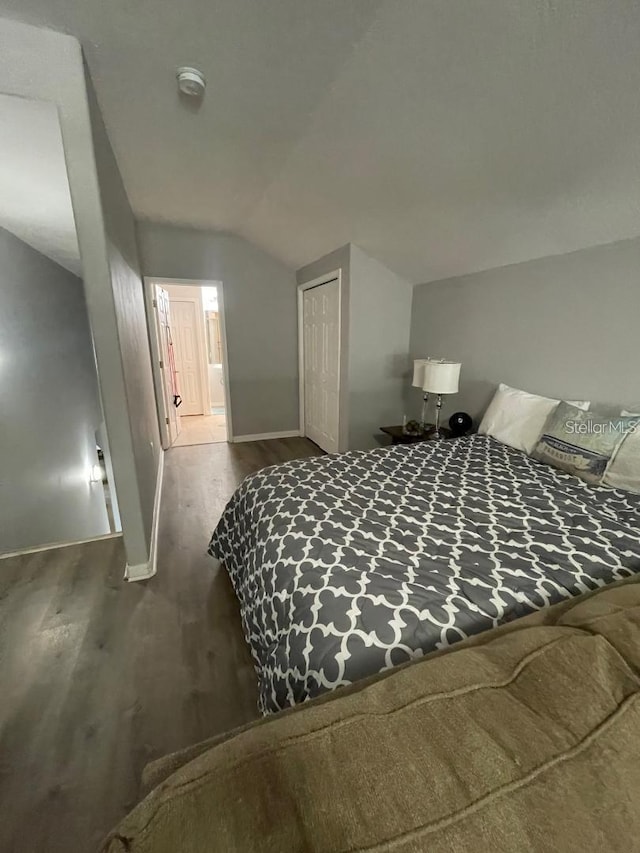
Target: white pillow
{"x": 516, "y": 417}
{"x": 624, "y": 469}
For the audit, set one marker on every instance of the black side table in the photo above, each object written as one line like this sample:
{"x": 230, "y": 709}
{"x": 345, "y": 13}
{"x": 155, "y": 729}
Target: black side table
{"x": 400, "y": 437}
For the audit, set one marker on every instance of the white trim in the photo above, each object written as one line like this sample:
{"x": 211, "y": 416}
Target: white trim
{"x": 149, "y": 281}
{"x": 143, "y": 571}
{"x": 267, "y": 436}
{"x": 336, "y": 275}
{"x": 53, "y": 545}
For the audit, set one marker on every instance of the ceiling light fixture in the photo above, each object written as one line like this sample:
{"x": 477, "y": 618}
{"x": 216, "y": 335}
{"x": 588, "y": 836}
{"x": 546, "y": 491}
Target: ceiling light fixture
{"x": 191, "y": 82}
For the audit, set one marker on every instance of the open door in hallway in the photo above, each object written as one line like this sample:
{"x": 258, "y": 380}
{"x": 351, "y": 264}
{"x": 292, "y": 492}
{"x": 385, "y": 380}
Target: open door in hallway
{"x": 170, "y": 392}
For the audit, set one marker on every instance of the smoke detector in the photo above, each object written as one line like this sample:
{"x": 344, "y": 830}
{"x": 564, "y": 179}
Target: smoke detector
{"x": 191, "y": 82}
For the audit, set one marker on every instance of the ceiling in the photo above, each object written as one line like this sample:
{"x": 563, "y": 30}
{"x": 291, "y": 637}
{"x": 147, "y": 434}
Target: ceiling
{"x": 35, "y": 203}
{"x": 442, "y": 136}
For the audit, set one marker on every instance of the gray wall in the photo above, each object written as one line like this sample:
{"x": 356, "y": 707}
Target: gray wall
{"x": 260, "y": 317}
{"x": 42, "y": 64}
{"x": 50, "y": 404}
{"x": 128, "y": 297}
{"x": 379, "y": 326}
{"x": 376, "y": 318}
{"x": 563, "y": 326}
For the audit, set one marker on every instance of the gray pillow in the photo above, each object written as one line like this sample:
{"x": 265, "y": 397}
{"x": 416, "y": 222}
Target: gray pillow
{"x": 582, "y": 443}
{"x": 624, "y": 470}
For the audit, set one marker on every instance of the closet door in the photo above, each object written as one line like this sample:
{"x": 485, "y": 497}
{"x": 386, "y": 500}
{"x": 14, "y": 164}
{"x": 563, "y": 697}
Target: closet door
{"x": 321, "y": 326}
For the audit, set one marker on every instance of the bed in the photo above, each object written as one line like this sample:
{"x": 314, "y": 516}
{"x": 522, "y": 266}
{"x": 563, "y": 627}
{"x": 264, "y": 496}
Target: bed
{"x": 347, "y": 565}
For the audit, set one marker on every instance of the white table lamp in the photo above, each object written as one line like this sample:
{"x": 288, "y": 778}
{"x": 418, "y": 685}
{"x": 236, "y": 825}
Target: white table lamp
{"x": 440, "y": 377}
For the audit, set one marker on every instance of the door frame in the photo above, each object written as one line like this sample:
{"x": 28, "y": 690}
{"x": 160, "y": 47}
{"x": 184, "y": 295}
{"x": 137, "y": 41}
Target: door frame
{"x": 149, "y": 281}
{"x": 336, "y": 275}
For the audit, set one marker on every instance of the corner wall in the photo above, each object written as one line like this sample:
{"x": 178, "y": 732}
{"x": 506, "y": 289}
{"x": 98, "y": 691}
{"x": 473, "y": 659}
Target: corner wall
{"x": 260, "y": 317}
{"x": 128, "y": 297}
{"x": 45, "y": 65}
{"x": 563, "y": 326}
{"x": 376, "y": 321}
{"x": 380, "y": 324}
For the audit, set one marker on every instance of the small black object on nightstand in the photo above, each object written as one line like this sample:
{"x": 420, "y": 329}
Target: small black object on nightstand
{"x": 460, "y": 424}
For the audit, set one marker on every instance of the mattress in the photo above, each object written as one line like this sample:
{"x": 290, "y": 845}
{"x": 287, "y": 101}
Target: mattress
{"x": 346, "y": 565}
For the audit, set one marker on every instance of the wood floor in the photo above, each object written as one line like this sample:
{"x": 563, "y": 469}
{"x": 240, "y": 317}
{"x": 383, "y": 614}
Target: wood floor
{"x": 98, "y": 677}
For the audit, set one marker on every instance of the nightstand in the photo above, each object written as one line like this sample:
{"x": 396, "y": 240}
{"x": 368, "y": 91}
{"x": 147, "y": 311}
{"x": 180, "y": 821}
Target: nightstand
{"x": 400, "y": 437}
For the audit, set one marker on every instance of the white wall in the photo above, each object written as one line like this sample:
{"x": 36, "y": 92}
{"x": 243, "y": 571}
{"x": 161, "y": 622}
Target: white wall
{"x": 564, "y": 326}
{"x": 50, "y": 404}
{"x": 41, "y": 64}
{"x": 260, "y": 317}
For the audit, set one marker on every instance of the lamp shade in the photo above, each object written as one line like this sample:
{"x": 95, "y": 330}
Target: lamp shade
{"x": 418, "y": 372}
{"x": 441, "y": 377}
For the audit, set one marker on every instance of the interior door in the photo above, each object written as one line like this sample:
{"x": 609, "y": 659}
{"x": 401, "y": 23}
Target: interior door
{"x": 321, "y": 348}
{"x": 184, "y": 317}
{"x": 167, "y": 366}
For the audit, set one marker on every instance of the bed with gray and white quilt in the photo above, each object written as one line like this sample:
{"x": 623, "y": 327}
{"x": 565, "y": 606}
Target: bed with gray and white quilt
{"x": 346, "y": 565}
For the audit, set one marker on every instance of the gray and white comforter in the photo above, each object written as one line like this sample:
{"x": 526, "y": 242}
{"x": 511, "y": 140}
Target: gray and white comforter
{"x": 347, "y": 565}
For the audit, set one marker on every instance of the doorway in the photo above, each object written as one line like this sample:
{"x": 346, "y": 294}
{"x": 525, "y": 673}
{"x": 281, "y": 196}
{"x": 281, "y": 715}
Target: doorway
{"x": 190, "y": 364}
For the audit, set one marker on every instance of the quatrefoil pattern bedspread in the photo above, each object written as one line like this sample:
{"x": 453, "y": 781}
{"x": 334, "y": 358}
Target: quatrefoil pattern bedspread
{"x": 349, "y": 564}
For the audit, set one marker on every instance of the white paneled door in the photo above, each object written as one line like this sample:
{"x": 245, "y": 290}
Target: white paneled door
{"x": 184, "y": 319}
{"x": 167, "y": 361}
{"x": 321, "y": 330}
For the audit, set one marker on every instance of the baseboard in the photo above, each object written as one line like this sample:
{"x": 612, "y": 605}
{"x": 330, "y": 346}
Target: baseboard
{"x": 53, "y": 545}
{"x": 266, "y": 436}
{"x": 144, "y": 571}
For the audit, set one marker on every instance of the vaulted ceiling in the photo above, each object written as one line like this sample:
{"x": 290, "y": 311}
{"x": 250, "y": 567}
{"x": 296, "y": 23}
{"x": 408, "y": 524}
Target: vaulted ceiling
{"x": 442, "y": 136}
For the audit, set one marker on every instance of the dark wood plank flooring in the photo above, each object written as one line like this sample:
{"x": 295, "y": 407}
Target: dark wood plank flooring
{"x": 98, "y": 677}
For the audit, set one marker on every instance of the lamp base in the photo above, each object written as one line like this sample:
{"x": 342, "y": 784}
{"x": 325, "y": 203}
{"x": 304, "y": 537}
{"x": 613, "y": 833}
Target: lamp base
{"x": 425, "y": 400}
{"x": 436, "y": 433}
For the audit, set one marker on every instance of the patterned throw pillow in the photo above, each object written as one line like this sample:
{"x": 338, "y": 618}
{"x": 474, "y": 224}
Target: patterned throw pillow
{"x": 582, "y": 443}
{"x": 624, "y": 471}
